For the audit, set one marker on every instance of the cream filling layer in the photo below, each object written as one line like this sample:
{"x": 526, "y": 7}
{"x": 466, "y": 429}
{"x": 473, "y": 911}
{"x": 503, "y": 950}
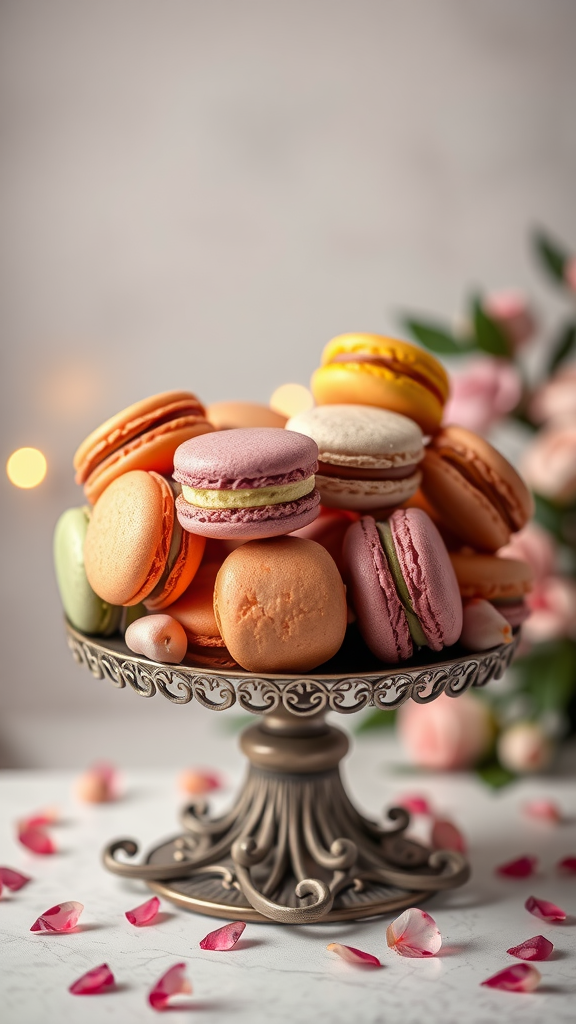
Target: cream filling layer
{"x": 248, "y": 498}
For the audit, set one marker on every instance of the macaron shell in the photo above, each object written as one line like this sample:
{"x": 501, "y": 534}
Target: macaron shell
{"x": 245, "y": 459}
{"x": 231, "y": 415}
{"x": 183, "y": 572}
{"x": 491, "y": 577}
{"x": 429, "y": 576}
{"x": 83, "y": 607}
{"x": 361, "y": 436}
{"x": 128, "y": 537}
{"x": 125, "y": 425}
{"x": 403, "y": 352}
{"x": 378, "y": 608}
{"x": 280, "y": 605}
{"x": 249, "y": 523}
{"x": 153, "y": 451}
{"x": 366, "y": 495}
{"x": 195, "y": 608}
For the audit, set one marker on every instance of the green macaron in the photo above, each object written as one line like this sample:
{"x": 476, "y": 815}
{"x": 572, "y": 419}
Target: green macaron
{"x": 84, "y": 609}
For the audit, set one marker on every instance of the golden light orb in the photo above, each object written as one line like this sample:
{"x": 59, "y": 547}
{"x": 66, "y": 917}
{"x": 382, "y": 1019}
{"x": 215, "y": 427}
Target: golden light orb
{"x": 26, "y": 467}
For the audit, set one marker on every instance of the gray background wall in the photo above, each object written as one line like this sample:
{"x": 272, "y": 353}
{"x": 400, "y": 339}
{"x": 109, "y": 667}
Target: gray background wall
{"x": 201, "y": 195}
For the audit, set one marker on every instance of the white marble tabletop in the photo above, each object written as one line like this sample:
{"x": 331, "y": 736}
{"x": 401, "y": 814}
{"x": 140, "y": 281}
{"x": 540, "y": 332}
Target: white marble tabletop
{"x": 275, "y": 973}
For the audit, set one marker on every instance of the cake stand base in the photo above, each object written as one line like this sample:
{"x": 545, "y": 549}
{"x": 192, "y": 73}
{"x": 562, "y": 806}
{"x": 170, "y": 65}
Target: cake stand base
{"x": 293, "y": 848}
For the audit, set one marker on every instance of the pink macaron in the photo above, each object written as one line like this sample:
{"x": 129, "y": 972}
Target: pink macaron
{"x": 404, "y": 588}
{"x": 247, "y": 483}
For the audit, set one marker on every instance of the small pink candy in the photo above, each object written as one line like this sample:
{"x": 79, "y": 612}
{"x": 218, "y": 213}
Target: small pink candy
{"x": 158, "y": 637}
{"x": 544, "y": 910}
{"x": 536, "y": 948}
{"x": 61, "y": 918}
{"x": 518, "y": 978}
{"x": 567, "y": 866}
{"x": 35, "y": 838}
{"x": 145, "y": 913}
{"x": 223, "y": 938}
{"x": 99, "y": 979}
{"x": 414, "y": 802}
{"x": 353, "y": 955}
{"x": 446, "y": 836}
{"x": 544, "y": 810}
{"x": 13, "y": 880}
{"x": 173, "y": 983}
{"x": 414, "y": 934}
{"x": 197, "y": 781}
{"x": 483, "y": 626}
{"x": 522, "y": 867}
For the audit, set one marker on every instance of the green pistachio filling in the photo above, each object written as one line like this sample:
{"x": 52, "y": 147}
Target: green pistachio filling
{"x": 247, "y": 497}
{"x": 416, "y": 631}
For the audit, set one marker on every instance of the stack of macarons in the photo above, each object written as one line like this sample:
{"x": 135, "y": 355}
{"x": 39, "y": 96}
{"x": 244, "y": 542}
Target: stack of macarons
{"x": 242, "y": 535}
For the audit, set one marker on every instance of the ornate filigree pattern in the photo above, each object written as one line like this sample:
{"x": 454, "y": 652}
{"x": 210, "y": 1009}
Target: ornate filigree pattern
{"x": 304, "y": 696}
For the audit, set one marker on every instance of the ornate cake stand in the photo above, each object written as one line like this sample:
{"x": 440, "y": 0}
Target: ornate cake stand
{"x": 293, "y": 848}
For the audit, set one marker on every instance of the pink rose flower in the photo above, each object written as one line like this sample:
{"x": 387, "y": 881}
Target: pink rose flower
{"x": 570, "y": 273}
{"x": 555, "y": 401}
{"x": 549, "y": 464}
{"x": 553, "y": 609}
{"x": 524, "y": 747}
{"x": 534, "y": 545}
{"x": 482, "y": 393}
{"x": 448, "y": 733}
{"x": 512, "y": 313}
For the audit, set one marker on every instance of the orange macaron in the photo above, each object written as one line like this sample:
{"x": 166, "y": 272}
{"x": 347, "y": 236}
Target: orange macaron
{"x": 143, "y": 436}
{"x": 370, "y": 369}
{"x": 504, "y": 582}
{"x": 473, "y": 490}
{"x": 228, "y": 415}
{"x": 195, "y": 612}
{"x": 135, "y": 550}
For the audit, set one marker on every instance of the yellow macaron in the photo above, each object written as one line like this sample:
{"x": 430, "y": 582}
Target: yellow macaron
{"x": 369, "y": 369}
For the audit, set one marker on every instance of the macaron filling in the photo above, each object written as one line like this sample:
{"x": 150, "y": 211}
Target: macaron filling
{"x": 249, "y": 497}
{"x": 414, "y": 625}
{"x": 362, "y": 473}
{"x": 394, "y": 365}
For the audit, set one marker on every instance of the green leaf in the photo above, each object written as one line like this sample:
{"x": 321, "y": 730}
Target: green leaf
{"x": 552, "y": 256}
{"x": 549, "y": 516}
{"x": 435, "y": 338}
{"x": 376, "y": 720}
{"x": 494, "y": 775}
{"x": 548, "y": 675}
{"x": 563, "y": 346}
{"x": 489, "y": 335}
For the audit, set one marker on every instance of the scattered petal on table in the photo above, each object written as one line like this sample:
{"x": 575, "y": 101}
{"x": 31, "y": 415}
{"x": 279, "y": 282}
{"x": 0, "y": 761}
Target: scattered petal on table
{"x": 145, "y": 913}
{"x": 545, "y": 910}
{"x": 173, "y": 983}
{"x": 518, "y": 978}
{"x": 61, "y": 918}
{"x": 536, "y": 948}
{"x": 353, "y": 955}
{"x": 35, "y": 838}
{"x": 414, "y": 802}
{"x": 567, "y": 865}
{"x": 414, "y": 934}
{"x": 13, "y": 880}
{"x": 446, "y": 836}
{"x": 99, "y": 979}
{"x": 196, "y": 781}
{"x": 522, "y": 867}
{"x": 225, "y": 937}
{"x": 544, "y": 810}
{"x": 98, "y": 785}
{"x": 48, "y": 816}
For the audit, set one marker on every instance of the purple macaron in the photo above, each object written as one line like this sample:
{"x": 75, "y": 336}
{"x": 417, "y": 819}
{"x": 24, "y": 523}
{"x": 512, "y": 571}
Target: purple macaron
{"x": 247, "y": 483}
{"x": 403, "y": 586}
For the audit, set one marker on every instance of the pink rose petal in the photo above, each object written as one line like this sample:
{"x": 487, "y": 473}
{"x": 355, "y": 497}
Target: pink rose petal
{"x": 536, "y": 948}
{"x": 544, "y": 810}
{"x": 518, "y": 978}
{"x": 35, "y": 838}
{"x": 353, "y": 955}
{"x": 61, "y": 918}
{"x": 223, "y": 938}
{"x": 48, "y": 816}
{"x": 567, "y": 865}
{"x": 173, "y": 983}
{"x": 545, "y": 910}
{"x": 522, "y": 867}
{"x": 143, "y": 914}
{"x": 99, "y": 979}
{"x": 414, "y": 802}
{"x": 446, "y": 836}
{"x": 414, "y": 934}
{"x": 197, "y": 781}
{"x": 13, "y": 880}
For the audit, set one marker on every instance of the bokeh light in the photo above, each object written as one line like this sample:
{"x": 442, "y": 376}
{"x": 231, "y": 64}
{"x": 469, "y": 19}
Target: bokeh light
{"x": 26, "y": 467}
{"x": 290, "y": 399}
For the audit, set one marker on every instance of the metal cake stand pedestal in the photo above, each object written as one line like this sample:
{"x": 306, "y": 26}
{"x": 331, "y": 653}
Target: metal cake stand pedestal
{"x": 293, "y": 848}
